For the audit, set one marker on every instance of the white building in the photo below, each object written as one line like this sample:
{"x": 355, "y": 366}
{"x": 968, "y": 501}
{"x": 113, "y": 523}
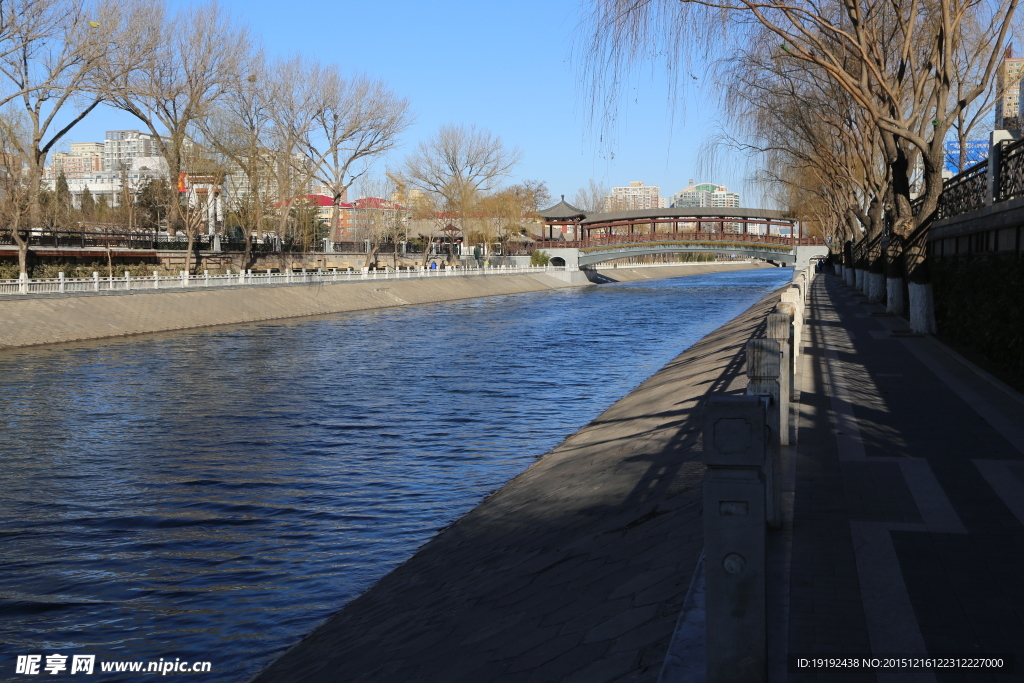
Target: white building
{"x": 122, "y": 147}
{"x": 635, "y": 196}
{"x": 705, "y": 195}
{"x": 110, "y": 184}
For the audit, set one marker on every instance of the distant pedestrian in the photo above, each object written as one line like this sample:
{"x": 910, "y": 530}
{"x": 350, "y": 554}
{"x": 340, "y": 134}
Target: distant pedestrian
{"x": 433, "y": 265}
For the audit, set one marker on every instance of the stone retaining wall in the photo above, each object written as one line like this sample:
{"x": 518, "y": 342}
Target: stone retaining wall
{"x": 49, "y": 319}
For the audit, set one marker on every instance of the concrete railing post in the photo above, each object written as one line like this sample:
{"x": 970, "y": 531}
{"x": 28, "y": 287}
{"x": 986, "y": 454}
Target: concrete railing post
{"x": 184, "y": 278}
{"x": 792, "y": 296}
{"x": 95, "y": 281}
{"x": 206, "y": 278}
{"x": 60, "y": 282}
{"x": 763, "y": 370}
{"x": 735, "y": 443}
{"x": 156, "y": 279}
{"x": 23, "y": 283}
{"x": 127, "y": 280}
{"x": 780, "y": 328}
{"x": 789, "y": 310}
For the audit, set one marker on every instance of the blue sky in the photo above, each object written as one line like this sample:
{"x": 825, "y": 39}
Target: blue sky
{"x": 511, "y": 68}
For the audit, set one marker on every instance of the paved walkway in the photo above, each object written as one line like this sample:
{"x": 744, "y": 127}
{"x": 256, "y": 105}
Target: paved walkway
{"x": 575, "y": 571}
{"x": 906, "y": 533}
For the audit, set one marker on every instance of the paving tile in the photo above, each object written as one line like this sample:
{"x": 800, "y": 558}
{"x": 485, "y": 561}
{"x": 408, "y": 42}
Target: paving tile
{"x": 962, "y": 587}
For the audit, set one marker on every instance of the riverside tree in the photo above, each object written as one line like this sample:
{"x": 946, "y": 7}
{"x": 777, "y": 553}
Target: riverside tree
{"x": 58, "y": 59}
{"x": 354, "y": 121}
{"x": 591, "y": 199}
{"x": 897, "y": 61}
{"x": 458, "y": 165}
{"x": 198, "y": 58}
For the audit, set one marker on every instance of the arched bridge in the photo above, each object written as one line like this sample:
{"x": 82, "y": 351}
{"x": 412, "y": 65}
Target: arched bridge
{"x": 583, "y": 240}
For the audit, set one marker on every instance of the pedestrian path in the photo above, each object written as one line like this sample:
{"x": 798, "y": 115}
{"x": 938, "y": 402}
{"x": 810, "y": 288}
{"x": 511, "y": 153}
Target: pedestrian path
{"x": 906, "y": 527}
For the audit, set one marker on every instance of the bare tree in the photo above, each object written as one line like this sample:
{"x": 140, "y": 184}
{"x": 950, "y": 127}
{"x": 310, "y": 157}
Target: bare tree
{"x": 294, "y": 100}
{"x": 591, "y": 199}
{"x": 240, "y": 129}
{"x": 60, "y": 66}
{"x": 14, "y": 189}
{"x": 354, "y": 120}
{"x": 379, "y": 218}
{"x": 896, "y": 60}
{"x": 457, "y": 165}
{"x": 197, "y": 60}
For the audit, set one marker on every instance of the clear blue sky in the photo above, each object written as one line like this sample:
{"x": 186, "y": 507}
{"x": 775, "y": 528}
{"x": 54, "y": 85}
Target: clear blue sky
{"x": 511, "y": 68}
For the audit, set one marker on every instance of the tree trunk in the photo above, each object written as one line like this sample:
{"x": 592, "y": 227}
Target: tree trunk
{"x": 191, "y": 234}
{"x": 922, "y": 303}
{"x": 895, "y": 286}
{"x": 22, "y": 246}
{"x": 371, "y": 258}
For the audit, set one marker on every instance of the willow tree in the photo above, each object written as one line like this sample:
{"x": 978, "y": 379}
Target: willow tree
{"x": 813, "y": 147}
{"x": 898, "y": 60}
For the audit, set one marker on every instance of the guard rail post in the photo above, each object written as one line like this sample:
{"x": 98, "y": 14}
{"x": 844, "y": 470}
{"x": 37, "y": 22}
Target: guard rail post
{"x": 735, "y": 443}
{"x": 792, "y": 296}
{"x": 789, "y": 310}
{"x": 780, "y": 328}
{"x": 763, "y": 356}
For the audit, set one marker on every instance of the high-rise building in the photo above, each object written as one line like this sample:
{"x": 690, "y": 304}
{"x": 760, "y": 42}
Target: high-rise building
{"x": 1008, "y": 86}
{"x": 121, "y": 147}
{"x": 635, "y": 196}
{"x": 705, "y": 195}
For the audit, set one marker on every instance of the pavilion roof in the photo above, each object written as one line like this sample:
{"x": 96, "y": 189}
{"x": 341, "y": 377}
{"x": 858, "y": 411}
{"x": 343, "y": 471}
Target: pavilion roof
{"x": 562, "y": 209}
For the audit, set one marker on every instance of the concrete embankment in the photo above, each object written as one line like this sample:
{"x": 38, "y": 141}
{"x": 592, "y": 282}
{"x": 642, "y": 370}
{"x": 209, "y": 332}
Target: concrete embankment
{"x": 49, "y": 319}
{"x": 576, "y": 570}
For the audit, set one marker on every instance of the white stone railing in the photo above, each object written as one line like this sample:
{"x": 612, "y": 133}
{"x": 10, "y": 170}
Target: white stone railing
{"x": 185, "y": 281}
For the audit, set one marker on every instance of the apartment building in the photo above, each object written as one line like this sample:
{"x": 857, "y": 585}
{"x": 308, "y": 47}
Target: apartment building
{"x": 633, "y": 197}
{"x": 705, "y": 195}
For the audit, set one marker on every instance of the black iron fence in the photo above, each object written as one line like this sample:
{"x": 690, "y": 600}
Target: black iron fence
{"x": 972, "y": 189}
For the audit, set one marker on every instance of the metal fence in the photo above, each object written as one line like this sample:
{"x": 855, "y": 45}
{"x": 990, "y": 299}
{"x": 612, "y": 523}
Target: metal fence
{"x": 964, "y": 192}
{"x": 96, "y": 284}
{"x": 972, "y": 189}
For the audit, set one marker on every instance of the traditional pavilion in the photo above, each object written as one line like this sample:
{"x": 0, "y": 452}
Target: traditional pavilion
{"x": 562, "y": 221}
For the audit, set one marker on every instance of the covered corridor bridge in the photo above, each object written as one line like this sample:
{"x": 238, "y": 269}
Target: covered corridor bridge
{"x": 575, "y": 239}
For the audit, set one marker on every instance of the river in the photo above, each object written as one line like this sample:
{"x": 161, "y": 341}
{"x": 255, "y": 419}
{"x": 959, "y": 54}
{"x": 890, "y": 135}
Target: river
{"x": 212, "y": 495}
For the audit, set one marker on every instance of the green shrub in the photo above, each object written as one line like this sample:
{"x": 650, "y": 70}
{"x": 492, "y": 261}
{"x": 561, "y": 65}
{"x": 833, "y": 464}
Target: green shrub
{"x": 539, "y": 258}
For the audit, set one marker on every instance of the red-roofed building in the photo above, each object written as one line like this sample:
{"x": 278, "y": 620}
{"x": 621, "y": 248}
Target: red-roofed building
{"x": 324, "y": 205}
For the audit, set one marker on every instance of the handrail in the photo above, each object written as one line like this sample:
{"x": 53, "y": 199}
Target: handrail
{"x": 157, "y": 282}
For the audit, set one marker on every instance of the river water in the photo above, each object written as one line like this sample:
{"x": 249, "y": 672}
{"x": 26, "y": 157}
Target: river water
{"x": 212, "y": 495}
